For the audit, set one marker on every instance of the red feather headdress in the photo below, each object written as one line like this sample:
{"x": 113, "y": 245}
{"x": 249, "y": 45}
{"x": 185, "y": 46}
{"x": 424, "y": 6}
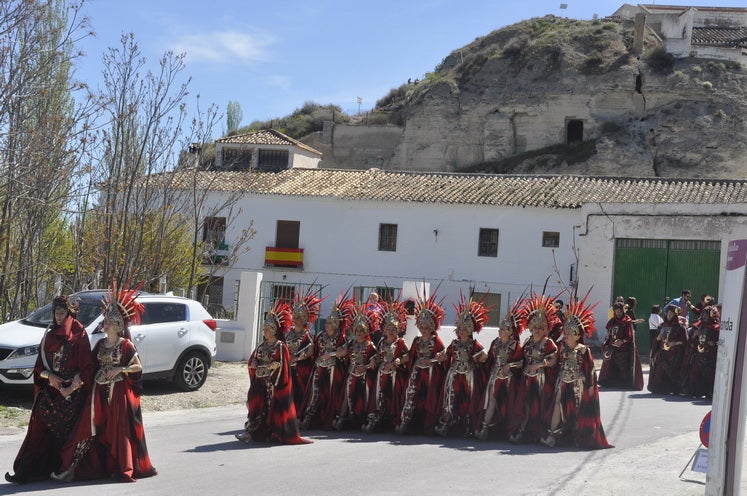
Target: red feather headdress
{"x": 471, "y": 311}
{"x": 306, "y": 306}
{"x": 395, "y": 314}
{"x": 429, "y": 309}
{"x": 579, "y": 319}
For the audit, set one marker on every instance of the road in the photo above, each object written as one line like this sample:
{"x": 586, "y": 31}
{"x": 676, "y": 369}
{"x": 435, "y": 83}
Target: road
{"x": 196, "y": 453}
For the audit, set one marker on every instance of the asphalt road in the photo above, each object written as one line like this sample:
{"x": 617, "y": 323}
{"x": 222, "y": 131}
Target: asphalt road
{"x": 195, "y": 453}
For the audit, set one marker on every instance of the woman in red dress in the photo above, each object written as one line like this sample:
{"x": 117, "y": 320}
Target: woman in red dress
{"x": 327, "y": 380}
{"x": 110, "y": 440}
{"x": 575, "y": 411}
{"x": 699, "y": 370}
{"x": 300, "y": 343}
{"x": 463, "y": 385}
{"x": 621, "y": 364}
{"x": 420, "y": 405}
{"x": 667, "y": 353}
{"x": 271, "y": 412}
{"x": 390, "y": 365}
{"x": 505, "y": 360}
{"x": 62, "y": 375}
{"x": 534, "y": 399}
{"x": 359, "y": 354}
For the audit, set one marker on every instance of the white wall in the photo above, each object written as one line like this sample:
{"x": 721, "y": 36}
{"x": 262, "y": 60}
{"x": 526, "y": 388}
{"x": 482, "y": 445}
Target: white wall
{"x": 340, "y": 242}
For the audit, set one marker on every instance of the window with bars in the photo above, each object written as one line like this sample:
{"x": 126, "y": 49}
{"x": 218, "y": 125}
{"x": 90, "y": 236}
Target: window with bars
{"x": 387, "y": 237}
{"x": 488, "y": 243}
{"x": 235, "y": 159}
{"x": 550, "y": 239}
{"x": 272, "y": 160}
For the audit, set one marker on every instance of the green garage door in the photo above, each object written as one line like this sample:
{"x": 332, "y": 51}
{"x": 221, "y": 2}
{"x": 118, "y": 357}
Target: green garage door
{"x": 655, "y": 271}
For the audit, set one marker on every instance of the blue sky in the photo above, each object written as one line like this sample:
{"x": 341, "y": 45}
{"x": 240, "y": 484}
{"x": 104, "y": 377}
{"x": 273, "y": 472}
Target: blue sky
{"x": 273, "y": 56}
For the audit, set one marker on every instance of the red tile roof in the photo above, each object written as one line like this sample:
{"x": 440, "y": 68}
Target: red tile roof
{"x": 265, "y": 137}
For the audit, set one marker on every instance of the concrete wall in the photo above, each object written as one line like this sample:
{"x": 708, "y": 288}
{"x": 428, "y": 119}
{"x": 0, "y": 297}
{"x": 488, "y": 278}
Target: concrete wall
{"x": 304, "y": 159}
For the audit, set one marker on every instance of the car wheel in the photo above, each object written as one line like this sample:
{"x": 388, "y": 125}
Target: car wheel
{"x": 191, "y": 372}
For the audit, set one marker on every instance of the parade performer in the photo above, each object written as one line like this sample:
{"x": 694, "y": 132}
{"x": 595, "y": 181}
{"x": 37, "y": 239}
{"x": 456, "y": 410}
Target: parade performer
{"x": 109, "y": 441}
{"x": 300, "y": 343}
{"x": 420, "y": 407}
{"x": 62, "y": 375}
{"x": 324, "y": 396}
{"x": 700, "y": 369}
{"x": 390, "y": 370}
{"x": 533, "y": 405}
{"x": 575, "y": 412}
{"x": 621, "y": 364}
{"x": 667, "y": 353}
{"x": 464, "y": 383}
{"x": 271, "y": 412}
{"x": 505, "y": 362}
{"x": 359, "y": 353}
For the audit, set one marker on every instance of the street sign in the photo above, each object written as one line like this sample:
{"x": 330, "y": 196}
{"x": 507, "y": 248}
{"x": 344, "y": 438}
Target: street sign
{"x": 705, "y": 429}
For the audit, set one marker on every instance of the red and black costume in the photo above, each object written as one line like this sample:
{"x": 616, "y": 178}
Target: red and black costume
{"x": 359, "y": 353}
{"x": 464, "y": 384}
{"x": 271, "y": 412}
{"x": 324, "y": 395}
{"x": 300, "y": 343}
{"x": 667, "y": 354}
{"x": 533, "y": 405}
{"x": 621, "y": 364}
{"x": 390, "y": 377}
{"x": 576, "y": 397}
{"x": 109, "y": 440}
{"x": 65, "y": 352}
{"x": 421, "y": 405}
{"x": 505, "y": 362}
{"x": 699, "y": 369}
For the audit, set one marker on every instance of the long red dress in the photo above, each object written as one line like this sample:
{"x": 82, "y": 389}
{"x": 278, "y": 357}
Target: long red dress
{"x": 271, "y": 412}
{"x": 354, "y": 409}
{"x": 463, "y": 388}
{"x": 502, "y": 387}
{"x": 533, "y": 406}
{"x": 699, "y": 369}
{"x": 324, "y": 395}
{"x": 110, "y": 439}
{"x": 388, "y": 386}
{"x": 621, "y": 365}
{"x": 420, "y": 406}
{"x": 300, "y": 343}
{"x": 64, "y": 351}
{"x": 578, "y": 394}
{"x": 667, "y": 353}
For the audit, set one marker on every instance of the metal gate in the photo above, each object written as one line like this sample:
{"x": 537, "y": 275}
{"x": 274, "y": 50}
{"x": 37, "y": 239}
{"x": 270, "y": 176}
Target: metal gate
{"x": 657, "y": 270}
{"x": 269, "y": 291}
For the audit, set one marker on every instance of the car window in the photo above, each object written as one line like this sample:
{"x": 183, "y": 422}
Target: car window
{"x": 88, "y": 310}
{"x": 163, "y": 312}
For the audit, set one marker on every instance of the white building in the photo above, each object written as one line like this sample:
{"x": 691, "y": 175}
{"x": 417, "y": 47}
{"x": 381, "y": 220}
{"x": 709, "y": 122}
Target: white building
{"x": 266, "y": 150}
{"x": 358, "y": 230}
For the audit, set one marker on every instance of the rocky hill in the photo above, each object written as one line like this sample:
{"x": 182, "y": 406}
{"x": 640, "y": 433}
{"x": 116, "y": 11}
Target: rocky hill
{"x": 561, "y": 96}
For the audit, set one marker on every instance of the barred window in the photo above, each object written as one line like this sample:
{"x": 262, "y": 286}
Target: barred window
{"x": 550, "y": 239}
{"x": 387, "y": 237}
{"x": 273, "y": 160}
{"x": 488, "y": 243}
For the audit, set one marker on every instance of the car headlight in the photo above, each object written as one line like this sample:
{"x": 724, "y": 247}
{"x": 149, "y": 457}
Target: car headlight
{"x": 24, "y": 352}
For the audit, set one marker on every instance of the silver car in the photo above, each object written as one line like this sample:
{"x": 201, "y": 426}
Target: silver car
{"x": 175, "y": 338}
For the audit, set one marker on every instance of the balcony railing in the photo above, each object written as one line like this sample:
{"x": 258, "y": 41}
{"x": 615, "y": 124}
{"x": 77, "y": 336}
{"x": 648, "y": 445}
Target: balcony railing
{"x": 283, "y": 257}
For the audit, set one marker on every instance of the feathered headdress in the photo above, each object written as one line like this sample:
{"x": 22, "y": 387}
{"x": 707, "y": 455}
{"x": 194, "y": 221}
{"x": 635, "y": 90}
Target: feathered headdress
{"x": 394, "y": 314}
{"x": 538, "y": 310}
{"x": 306, "y": 305}
{"x": 280, "y": 316}
{"x": 341, "y": 314}
{"x": 513, "y": 321}
{"x": 471, "y": 312}
{"x": 579, "y": 319}
{"x": 121, "y": 306}
{"x": 365, "y": 318}
{"x": 429, "y": 310}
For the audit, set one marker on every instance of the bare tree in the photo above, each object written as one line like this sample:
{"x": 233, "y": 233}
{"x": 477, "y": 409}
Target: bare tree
{"x": 41, "y": 140}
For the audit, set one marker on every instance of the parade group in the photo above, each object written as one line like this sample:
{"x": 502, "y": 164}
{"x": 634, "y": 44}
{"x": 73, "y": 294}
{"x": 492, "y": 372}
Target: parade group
{"x": 358, "y": 373}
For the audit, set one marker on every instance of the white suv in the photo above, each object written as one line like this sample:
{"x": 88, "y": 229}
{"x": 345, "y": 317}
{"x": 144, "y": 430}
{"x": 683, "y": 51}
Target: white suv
{"x": 175, "y": 338}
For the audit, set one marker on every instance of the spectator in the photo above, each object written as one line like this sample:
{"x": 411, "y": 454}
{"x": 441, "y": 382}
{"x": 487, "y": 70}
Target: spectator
{"x": 654, "y": 321}
{"x": 683, "y": 302}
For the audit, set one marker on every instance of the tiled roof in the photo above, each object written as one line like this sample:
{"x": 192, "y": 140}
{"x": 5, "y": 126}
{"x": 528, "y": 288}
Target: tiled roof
{"x": 469, "y": 189}
{"x": 265, "y": 137}
{"x": 732, "y": 37}
{"x": 678, "y": 9}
